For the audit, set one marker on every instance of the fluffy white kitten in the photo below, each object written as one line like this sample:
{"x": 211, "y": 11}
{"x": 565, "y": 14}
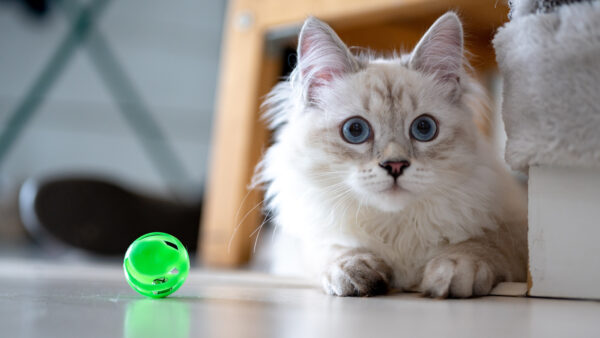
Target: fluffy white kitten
{"x": 382, "y": 177}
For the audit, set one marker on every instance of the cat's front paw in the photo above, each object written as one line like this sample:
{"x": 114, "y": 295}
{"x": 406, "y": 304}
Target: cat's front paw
{"x": 357, "y": 273}
{"x": 458, "y": 276}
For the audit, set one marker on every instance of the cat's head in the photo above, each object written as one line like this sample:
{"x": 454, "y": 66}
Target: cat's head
{"x": 385, "y": 130}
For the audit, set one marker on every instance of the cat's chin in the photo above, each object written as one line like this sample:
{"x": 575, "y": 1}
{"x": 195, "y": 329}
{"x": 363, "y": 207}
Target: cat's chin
{"x": 390, "y": 200}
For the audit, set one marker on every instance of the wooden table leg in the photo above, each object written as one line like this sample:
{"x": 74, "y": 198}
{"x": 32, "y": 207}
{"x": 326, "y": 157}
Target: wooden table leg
{"x": 231, "y": 212}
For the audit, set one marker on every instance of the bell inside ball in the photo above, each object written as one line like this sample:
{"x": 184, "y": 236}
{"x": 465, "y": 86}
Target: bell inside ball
{"x": 156, "y": 264}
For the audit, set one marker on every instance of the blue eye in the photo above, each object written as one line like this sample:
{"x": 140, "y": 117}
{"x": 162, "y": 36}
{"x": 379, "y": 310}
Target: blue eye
{"x": 356, "y": 130}
{"x": 423, "y": 128}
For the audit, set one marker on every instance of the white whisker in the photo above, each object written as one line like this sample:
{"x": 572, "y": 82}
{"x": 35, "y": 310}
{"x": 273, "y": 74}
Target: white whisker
{"x": 235, "y": 230}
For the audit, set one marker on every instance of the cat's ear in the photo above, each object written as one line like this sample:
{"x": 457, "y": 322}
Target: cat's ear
{"x": 440, "y": 51}
{"x": 322, "y": 56}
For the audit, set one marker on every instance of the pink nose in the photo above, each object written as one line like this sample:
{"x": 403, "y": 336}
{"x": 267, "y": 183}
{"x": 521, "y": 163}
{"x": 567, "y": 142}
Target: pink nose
{"x": 395, "y": 168}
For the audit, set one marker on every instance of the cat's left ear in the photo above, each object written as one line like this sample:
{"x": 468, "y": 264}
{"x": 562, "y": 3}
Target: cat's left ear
{"x": 440, "y": 51}
{"x": 322, "y": 56}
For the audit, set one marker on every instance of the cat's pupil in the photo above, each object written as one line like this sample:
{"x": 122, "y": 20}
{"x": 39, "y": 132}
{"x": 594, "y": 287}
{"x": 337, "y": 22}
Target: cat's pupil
{"x": 423, "y": 126}
{"x": 356, "y": 129}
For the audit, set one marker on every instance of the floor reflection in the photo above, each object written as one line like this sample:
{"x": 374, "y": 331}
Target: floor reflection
{"x": 157, "y": 318}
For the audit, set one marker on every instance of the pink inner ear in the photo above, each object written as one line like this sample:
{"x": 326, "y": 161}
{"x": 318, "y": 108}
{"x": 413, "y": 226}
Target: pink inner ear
{"x": 322, "y": 56}
{"x": 320, "y": 75}
{"x": 323, "y": 76}
{"x": 318, "y": 78}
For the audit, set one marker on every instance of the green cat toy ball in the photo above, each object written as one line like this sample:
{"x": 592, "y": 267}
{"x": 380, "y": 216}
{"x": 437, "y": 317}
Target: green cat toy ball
{"x": 156, "y": 264}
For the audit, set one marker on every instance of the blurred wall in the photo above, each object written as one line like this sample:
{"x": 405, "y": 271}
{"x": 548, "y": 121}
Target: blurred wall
{"x": 169, "y": 50}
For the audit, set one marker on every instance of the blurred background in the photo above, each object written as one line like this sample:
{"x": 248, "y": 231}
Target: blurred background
{"x": 121, "y": 90}
{"x": 107, "y": 106}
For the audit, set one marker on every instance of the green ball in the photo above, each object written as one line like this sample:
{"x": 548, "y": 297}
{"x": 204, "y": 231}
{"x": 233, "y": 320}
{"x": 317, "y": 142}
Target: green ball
{"x": 156, "y": 264}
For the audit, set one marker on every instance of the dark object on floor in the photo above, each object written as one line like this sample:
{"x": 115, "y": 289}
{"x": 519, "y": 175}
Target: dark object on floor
{"x": 37, "y": 7}
{"x": 101, "y": 216}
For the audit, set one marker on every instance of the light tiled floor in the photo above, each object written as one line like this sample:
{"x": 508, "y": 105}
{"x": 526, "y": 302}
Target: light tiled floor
{"x": 72, "y": 300}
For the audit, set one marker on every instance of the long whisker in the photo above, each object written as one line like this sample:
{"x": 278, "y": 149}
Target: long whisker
{"x": 240, "y": 224}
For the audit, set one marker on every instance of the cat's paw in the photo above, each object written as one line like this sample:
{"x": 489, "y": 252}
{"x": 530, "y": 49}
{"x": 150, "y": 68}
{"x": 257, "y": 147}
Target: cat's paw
{"x": 458, "y": 276}
{"x": 357, "y": 273}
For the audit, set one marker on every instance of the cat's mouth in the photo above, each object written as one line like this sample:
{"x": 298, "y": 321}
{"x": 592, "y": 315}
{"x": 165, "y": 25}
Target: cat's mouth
{"x": 394, "y": 188}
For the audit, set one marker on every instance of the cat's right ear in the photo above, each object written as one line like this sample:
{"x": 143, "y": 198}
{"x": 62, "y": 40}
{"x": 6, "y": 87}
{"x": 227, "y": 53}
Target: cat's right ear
{"x": 322, "y": 57}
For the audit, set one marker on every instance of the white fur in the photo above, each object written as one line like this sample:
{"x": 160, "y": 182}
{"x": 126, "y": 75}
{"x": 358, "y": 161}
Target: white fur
{"x": 328, "y": 201}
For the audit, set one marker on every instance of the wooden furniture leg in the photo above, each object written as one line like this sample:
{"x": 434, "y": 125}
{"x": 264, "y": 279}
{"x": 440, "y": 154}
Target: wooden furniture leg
{"x": 231, "y": 211}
